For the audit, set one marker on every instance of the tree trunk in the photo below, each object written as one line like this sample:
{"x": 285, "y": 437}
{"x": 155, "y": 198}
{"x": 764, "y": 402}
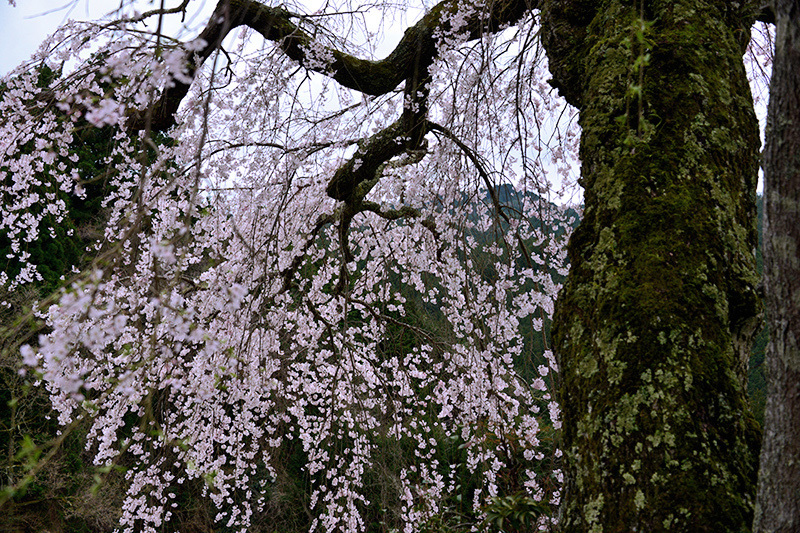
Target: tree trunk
{"x": 654, "y": 324}
{"x": 778, "y": 508}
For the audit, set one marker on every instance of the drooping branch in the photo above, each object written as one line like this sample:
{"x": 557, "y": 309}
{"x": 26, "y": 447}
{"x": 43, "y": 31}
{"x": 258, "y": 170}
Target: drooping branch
{"x": 409, "y": 62}
{"x": 370, "y": 77}
{"x": 499, "y": 209}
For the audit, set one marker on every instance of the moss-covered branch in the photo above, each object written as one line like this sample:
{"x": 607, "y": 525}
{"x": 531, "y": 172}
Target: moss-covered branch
{"x": 278, "y": 25}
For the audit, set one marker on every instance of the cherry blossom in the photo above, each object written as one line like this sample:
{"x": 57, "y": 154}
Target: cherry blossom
{"x": 232, "y": 305}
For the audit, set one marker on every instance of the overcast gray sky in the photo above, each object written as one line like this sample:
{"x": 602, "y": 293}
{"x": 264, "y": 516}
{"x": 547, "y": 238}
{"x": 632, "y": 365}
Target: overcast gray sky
{"x": 24, "y": 27}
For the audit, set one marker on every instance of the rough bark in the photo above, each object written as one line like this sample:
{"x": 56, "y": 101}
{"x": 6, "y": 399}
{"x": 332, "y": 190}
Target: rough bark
{"x": 778, "y": 508}
{"x": 653, "y": 327}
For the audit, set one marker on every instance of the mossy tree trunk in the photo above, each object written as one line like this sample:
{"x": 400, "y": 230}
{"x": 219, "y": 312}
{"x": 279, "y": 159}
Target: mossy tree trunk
{"x": 778, "y": 508}
{"x": 653, "y": 327}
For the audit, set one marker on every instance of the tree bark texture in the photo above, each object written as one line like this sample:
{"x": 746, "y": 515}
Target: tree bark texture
{"x": 778, "y": 508}
{"x": 654, "y": 324}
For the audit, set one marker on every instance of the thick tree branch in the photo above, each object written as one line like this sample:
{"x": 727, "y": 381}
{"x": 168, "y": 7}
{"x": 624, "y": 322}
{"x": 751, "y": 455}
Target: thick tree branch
{"x": 408, "y": 62}
{"x": 370, "y": 156}
{"x": 370, "y": 77}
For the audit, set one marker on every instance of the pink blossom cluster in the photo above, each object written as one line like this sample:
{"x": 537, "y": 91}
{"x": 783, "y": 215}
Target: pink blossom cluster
{"x": 222, "y": 312}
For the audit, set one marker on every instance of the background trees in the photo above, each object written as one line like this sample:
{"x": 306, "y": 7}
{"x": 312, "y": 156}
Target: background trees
{"x": 310, "y": 270}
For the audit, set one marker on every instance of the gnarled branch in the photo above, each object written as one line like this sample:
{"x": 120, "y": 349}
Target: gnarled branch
{"x": 405, "y": 62}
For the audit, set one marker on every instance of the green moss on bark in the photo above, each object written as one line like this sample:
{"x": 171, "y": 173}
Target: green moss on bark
{"x": 654, "y": 321}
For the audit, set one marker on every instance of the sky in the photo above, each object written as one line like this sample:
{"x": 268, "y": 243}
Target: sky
{"x": 24, "y": 27}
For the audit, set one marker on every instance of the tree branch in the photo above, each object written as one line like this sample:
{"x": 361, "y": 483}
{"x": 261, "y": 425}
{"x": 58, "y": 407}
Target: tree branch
{"x": 371, "y": 154}
{"x": 369, "y": 77}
